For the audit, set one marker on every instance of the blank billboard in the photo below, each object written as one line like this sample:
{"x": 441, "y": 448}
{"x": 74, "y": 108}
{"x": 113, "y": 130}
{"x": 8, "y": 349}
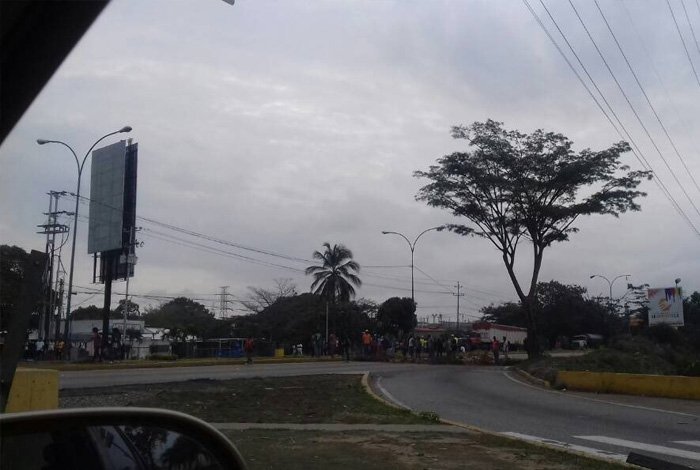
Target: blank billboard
{"x": 107, "y": 198}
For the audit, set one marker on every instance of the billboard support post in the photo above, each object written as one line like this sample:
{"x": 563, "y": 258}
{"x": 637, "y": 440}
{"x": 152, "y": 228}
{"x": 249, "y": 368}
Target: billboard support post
{"x": 108, "y": 260}
{"x": 75, "y": 217}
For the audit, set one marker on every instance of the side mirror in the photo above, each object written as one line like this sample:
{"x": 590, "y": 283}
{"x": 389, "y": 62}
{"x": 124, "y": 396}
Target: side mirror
{"x": 112, "y": 438}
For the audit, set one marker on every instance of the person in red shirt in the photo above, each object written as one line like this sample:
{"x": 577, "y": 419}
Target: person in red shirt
{"x": 96, "y": 345}
{"x": 249, "y": 347}
{"x": 495, "y": 348}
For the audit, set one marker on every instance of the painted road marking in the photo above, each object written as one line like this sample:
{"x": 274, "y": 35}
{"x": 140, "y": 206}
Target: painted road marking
{"x": 566, "y": 446}
{"x": 688, "y": 443}
{"x": 685, "y": 454}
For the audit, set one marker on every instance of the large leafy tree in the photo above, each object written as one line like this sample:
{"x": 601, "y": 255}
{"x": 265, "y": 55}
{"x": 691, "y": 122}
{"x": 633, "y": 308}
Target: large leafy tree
{"x": 184, "y": 318}
{"x": 336, "y": 276}
{"x": 13, "y": 260}
{"x": 512, "y": 186}
{"x": 397, "y": 316}
{"x": 293, "y": 319}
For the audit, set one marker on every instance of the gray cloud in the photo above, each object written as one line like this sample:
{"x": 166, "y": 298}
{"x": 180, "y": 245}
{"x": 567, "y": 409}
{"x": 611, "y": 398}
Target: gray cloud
{"x": 282, "y": 125}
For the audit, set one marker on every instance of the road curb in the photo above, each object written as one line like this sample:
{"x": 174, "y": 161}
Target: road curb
{"x": 531, "y": 378}
{"x": 368, "y": 388}
{"x": 665, "y": 386}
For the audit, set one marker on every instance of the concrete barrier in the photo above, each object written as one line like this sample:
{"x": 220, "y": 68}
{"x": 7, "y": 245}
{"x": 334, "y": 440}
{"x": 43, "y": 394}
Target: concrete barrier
{"x": 33, "y": 389}
{"x": 669, "y": 386}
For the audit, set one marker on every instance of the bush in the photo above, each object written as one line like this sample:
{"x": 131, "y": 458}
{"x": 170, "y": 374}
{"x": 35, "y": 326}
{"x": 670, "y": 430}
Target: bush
{"x": 665, "y": 334}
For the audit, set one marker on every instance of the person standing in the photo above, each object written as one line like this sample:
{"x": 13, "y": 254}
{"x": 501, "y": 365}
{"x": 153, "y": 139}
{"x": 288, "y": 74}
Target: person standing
{"x": 60, "y": 344}
{"x": 366, "y": 344}
{"x": 249, "y": 347}
{"x": 506, "y": 347}
{"x": 96, "y": 345}
{"x": 346, "y": 348}
{"x": 332, "y": 345}
{"x": 495, "y": 348}
{"x": 39, "y": 349}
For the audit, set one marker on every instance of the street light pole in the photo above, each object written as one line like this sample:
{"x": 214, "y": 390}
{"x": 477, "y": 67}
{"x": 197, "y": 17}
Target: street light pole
{"x": 610, "y": 285}
{"x": 412, "y": 246}
{"x": 80, "y": 166}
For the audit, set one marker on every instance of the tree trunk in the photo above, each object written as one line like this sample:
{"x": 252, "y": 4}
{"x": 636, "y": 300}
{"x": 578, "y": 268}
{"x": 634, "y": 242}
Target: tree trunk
{"x": 533, "y": 344}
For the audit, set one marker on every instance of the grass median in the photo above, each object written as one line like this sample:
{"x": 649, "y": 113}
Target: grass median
{"x": 326, "y": 399}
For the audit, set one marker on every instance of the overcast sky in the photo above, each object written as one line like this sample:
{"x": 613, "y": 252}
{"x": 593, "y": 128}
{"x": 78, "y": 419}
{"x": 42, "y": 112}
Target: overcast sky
{"x": 280, "y": 125}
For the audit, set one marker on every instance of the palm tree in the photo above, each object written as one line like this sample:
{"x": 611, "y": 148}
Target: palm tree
{"x": 335, "y": 277}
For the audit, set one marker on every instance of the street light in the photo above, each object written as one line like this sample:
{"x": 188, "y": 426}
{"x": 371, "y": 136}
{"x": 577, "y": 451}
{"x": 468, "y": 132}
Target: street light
{"x": 75, "y": 219}
{"x": 412, "y": 246}
{"x": 610, "y": 284}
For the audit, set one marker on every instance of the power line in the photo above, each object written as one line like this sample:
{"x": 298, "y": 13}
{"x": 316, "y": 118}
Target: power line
{"x": 634, "y": 111}
{"x": 636, "y": 150}
{"x": 201, "y": 235}
{"x": 179, "y": 241}
{"x": 692, "y": 31}
{"x": 683, "y": 41}
{"x": 431, "y": 277}
{"x": 656, "y": 115}
{"x": 640, "y": 39}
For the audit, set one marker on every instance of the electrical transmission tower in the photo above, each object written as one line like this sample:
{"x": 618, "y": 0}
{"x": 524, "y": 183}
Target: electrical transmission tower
{"x": 224, "y": 307}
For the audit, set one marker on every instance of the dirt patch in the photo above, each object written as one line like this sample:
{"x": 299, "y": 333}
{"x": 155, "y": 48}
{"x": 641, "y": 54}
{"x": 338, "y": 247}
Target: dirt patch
{"x": 311, "y": 450}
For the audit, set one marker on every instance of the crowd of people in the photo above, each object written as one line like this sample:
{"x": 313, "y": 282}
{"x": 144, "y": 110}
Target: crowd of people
{"x": 44, "y": 350}
{"x": 433, "y": 348}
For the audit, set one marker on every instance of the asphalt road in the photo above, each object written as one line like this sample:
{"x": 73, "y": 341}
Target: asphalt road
{"x": 489, "y": 398}
{"x": 496, "y": 400}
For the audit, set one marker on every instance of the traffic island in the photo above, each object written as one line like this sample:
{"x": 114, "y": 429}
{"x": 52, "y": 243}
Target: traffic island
{"x": 32, "y": 390}
{"x": 668, "y": 386}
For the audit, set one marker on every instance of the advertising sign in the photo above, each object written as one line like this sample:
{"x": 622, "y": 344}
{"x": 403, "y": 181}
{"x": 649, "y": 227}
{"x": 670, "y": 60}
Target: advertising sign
{"x": 105, "y": 230}
{"x": 665, "y": 306}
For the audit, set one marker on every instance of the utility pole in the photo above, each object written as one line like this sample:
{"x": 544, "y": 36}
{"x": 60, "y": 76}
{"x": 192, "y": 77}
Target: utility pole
{"x": 60, "y": 309}
{"x": 458, "y": 295}
{"x": 50, "y": 229}
{"x": 129, "y": 261}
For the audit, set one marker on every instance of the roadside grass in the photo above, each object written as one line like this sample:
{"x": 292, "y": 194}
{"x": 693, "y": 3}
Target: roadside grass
{"x": 328, "y": 399}
{"x": 155, "y": 364}
{"x": 633, "y": 355}
{"x": 297, "y": 450}
{"x": 304, "y": 399}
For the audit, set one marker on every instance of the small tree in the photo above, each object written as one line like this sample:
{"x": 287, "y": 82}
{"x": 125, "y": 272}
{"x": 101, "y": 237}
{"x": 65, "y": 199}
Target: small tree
{"x": 397, "y": 316}
{"x": 511, "y": 186}
{"x": 259, "y": 299}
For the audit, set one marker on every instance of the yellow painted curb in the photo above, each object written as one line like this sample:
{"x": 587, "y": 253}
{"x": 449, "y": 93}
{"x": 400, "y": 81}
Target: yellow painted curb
{"x": 33, "y": 389}
{"x": 669, "y": 386}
